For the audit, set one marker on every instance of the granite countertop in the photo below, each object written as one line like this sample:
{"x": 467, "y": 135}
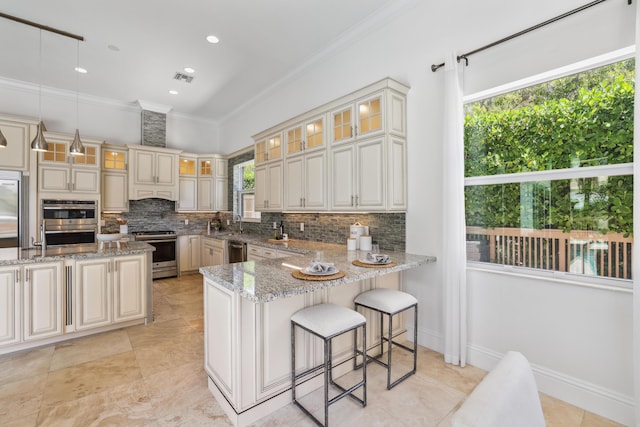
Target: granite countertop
{"x": 270, "y": 279}
{"x": 15, "y": 256}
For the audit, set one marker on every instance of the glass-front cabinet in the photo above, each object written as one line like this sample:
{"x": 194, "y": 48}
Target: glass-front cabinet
{"x": 362, "y": 119}
{"x": 115, "y": 179}
{"x": 305, "y": 136}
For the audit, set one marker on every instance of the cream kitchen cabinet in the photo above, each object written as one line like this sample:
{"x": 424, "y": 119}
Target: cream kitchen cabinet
{"x": 188, "y": 253}
{"x": 212, "y": 252}
{"x": 19, "y": 133}
{"x": 115, "y": 179}
{"x": 305, "y": 137}
{"x": 268, "y": 187}
{"x": 269, "y": 149}
{"x": 109, "y": 290}
{"x": 31, "y": 302}
{"x": 305, "y": 182}
{"x": 203, "y": 183}
{"x": 375, "y": 114}
{"x": 256, "y": 253}
{"x": 60, "y": 173}
{"x": 153, "y": 173}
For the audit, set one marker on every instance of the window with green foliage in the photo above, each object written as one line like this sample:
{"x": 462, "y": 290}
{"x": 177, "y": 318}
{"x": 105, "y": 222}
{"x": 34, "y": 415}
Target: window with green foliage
{"x": 548, "y": 174}
{"x": 243, "y": 190}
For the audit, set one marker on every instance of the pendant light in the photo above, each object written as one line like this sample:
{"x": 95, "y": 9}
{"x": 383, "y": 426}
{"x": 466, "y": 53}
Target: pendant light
{"x": 76, "y": 148}
{"x": 3, "y": 141}
{"x": 39, "y": 143}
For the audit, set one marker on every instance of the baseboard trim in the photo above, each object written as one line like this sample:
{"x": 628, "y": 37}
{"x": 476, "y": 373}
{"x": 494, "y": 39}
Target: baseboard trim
{"x": 596, "y": 399}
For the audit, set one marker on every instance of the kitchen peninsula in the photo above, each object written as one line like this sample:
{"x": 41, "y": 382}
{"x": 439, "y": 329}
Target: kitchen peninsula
{"x": 56, "y": 295}
{"x": 247, "y": 328}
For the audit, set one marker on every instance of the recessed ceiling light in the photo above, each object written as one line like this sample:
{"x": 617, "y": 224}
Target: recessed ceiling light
{"x": 173, "y": 92}
{"x": 81, "y": 70}
{"x": 189, "y": 70}
{"x": 212, "y": 39}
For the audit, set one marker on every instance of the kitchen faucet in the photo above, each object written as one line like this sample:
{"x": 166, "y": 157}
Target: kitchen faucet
{"x": 239, "y": 218}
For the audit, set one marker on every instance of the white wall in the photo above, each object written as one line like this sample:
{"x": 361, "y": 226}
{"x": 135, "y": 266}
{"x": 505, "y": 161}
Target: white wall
{"x": 578, "y": 339}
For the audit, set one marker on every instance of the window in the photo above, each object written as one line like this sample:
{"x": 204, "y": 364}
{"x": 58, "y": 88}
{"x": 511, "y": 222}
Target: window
{"x": 243, "y": 190}
{"x": 548, "y": 174}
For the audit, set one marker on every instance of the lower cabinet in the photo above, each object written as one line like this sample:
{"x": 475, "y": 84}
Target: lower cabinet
{"x": 189, "y": 253}
{"x": 109, "y": 291}
{"x": 212, "y": 252}
{"x": 30, "y": 302}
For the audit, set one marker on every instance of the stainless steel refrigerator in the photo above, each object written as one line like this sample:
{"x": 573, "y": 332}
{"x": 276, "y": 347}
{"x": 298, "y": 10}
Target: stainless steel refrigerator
{"x": 11, "y": 209}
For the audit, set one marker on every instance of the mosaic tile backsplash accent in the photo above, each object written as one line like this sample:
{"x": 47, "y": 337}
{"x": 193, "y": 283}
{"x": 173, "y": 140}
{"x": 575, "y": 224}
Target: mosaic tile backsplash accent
{"x": 388, "y": 229}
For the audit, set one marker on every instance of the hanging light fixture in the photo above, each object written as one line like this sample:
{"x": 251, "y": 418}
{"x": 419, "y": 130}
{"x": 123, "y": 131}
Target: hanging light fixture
{"x": 39, "y": 143}
{"x": 76, "y": 148}
{"x": 3, "y": 141}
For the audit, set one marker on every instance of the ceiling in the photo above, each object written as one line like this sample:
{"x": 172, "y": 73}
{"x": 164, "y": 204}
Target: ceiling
{"x": 133, "y": 48}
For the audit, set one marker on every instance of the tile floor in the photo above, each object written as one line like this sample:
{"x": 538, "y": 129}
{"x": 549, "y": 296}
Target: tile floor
{"x": 153, "y": 376}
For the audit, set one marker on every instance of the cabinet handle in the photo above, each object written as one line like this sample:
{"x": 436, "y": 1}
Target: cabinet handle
{"x": 304, "y": 202}
{"x": 69, "y": 291}
{"x": 304, "y": 145}
{"x": 356, "y": 201}
{"x": 108, "y": 268}
{"x": 351, "y": 132}
{"x": 26, "y": 275}
{"x": 355, "y": 128}
{"x": 300, "y": 201}
{"x": 115, "y": 266}
{"x": 352, "y": 200}
{"x": 17, "y": 275}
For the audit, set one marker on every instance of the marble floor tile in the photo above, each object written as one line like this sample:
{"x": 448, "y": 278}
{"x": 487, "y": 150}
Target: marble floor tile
{"x": 176, "y": 351}
{"x": 124, "y": 405}
{"x": 157, "y": 332}
{"x": 25, "y": 364}
{"x": 90, "y": 348}
{"x": 92, "y": 377}
{"x": 21, "y": 399}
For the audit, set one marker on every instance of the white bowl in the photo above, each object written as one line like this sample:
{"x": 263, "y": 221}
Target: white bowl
{"x": 109, "y": 237}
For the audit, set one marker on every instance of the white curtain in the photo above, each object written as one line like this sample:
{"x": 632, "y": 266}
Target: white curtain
{"x": 636, "y": 227}
{"x": 454, "y": 258}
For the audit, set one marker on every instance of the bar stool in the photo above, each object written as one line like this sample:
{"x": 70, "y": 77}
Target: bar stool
{"x": 328, "y": 321}
{"x": 390, "y": 302}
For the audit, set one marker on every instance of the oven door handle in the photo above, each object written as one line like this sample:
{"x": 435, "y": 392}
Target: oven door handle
{"x": 158, "y": 241}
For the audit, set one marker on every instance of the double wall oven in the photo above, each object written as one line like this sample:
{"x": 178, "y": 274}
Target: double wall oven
{"x": 165, "y": 263}
{"x": 69, "y": 222}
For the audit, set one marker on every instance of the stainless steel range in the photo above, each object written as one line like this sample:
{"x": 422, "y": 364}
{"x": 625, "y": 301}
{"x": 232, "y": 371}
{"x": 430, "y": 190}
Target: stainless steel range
{"x": 165, "y": 263}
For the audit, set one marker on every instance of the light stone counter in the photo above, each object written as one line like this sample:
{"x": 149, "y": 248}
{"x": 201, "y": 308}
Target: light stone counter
{"x": 17, "y": 256}
{"x": 271, "y": 279}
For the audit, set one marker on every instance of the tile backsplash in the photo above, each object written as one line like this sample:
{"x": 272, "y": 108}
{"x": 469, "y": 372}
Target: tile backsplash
{"x": 388, "y": 229}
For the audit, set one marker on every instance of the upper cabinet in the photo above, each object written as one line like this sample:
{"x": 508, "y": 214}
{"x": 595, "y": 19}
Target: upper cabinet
{"x": 354, "y": 146}
{"x": 203, "y": 183}
{"x": 61, "y": 174}
{"x": 115, "y": 178}
{"x": 18, "y": 133}
{"x": 153, "y": 173}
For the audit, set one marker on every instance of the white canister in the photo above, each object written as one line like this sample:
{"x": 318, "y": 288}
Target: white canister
{"x": 351, "y": 244}
{"x": 355, "y": 231}
{"x": 124, "y": 229}
{"x": 365, "y": 242}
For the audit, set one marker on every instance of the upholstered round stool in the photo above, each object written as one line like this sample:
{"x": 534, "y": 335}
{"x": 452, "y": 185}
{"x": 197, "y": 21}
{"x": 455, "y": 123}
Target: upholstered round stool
{"x": 328, "y": 321}
{"x": 390, "y": 302}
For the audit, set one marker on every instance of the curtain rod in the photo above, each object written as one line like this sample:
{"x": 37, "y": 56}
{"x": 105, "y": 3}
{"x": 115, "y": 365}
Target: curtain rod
{"x": 42, "y": 27}
{"x": 465, "y": 56}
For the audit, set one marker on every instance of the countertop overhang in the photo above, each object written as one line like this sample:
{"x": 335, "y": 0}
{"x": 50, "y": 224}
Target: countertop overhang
{"x": 271, "y": 279}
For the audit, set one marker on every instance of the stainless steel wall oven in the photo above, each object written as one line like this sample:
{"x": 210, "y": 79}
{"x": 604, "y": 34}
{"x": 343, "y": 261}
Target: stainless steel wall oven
{"x": 69, "y": 222}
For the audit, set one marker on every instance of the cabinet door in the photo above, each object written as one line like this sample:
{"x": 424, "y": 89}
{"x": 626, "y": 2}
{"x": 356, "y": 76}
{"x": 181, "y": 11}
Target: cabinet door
{"x": 188, "y": 194}
{"x": 370, "y": 175}
{"x": 217, "y": 255}
{"x": 275, "y": 186}
{"x": 10, "y": 305}
{"x": 166, "y": 169}
{"x": 254, "y": 253}
{"x": 194, "y": 252}
{"x": 343, "y": 178}
{"x": 397, "y": 174}
{"x": 221, "y": 199}
{"x": 222, "y": 168}
{"x": 206, "y": 255}
{"x": 19, "y": 135}
{"x": 144, "y": 162}
{"x": 315, "y": 181}
{"x": 42, "y": 304}
{"x": 115, "y": 192}
{"x": 93, "y": 293}
{"x": 260, "y": 188}
{"x": 294, "y": 183}
{"x": 54, "y": 179}
{"x": 129, "y": 290}
{"x": 85, "y": 181}
{"x": 370, "y": 119}
{"x": 205, "y": 194}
